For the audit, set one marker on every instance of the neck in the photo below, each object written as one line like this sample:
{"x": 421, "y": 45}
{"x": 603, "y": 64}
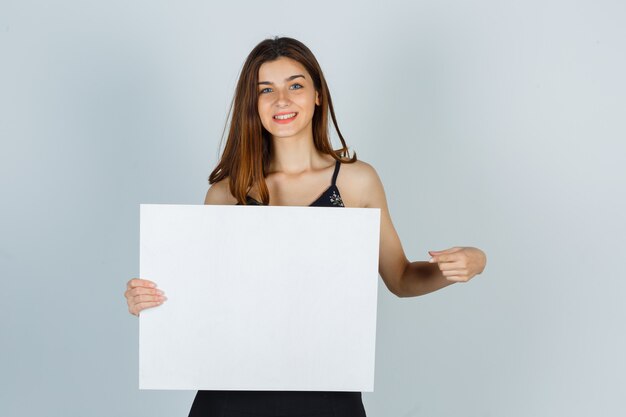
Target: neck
{"x": 294, "y": 155}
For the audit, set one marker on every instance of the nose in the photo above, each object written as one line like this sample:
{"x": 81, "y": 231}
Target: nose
{"x": 281, "y": 99}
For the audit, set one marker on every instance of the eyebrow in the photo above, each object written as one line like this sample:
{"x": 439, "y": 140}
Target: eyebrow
{"x": 293, "y": 77}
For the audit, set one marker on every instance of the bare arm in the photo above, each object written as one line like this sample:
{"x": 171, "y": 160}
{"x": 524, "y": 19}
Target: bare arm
{"x": 409, "y": 279}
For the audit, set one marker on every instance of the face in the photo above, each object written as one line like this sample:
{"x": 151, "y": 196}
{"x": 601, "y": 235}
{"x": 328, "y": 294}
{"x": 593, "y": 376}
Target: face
{"x": 287, "y": 98}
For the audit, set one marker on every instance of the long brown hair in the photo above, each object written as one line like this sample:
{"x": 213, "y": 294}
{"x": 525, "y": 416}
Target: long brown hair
{"x": 246, "y": 157}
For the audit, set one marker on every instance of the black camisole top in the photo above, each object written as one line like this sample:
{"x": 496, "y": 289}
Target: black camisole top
{"x": 329, "y": 198}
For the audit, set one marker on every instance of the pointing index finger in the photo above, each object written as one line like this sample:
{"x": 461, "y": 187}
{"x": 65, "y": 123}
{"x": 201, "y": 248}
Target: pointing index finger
{"x": 442, "y": 258}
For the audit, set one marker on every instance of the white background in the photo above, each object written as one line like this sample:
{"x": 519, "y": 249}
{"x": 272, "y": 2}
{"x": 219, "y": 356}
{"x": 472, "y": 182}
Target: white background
{"x": 496, "y": 124}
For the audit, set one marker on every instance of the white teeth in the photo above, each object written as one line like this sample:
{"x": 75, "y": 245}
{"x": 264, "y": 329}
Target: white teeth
{"x": 285, "y": 116}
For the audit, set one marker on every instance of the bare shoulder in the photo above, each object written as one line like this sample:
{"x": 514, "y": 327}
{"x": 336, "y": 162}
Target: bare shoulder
{"x": 359, "y": 171}
{"x": 219, "y": 194}
{"x": 360, "y": 185}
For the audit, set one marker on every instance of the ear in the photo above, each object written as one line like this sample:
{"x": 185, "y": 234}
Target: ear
{"x": 317, "y": 98}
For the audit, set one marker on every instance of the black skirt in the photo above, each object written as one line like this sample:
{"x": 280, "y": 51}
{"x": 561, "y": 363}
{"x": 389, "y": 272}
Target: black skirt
{"x": 277, "y": 404}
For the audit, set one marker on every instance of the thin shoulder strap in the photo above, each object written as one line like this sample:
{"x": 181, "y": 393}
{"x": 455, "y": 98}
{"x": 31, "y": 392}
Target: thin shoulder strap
{"x": 337, "y": 164}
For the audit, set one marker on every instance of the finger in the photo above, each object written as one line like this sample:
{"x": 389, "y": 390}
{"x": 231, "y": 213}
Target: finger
{"x": 133, "y": 292}
{"x": 450, "y": 266}
{"x": 454, "y": 273}
{"x": 147, "y": 297}
{"x": 142, "y": 306}
{"x": 138, "y": 282}
{"x": 444, "y": 258}
{"x": 458, "y": 278}
{"x": 439, "y": 252}
{"x": 143, "y": 290}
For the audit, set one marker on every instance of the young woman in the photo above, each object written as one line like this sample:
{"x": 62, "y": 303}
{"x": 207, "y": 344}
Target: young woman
{"x": 278, "y": 152}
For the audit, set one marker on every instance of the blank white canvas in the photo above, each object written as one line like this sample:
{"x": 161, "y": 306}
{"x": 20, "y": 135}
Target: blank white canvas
{"x": 259, "y": 298}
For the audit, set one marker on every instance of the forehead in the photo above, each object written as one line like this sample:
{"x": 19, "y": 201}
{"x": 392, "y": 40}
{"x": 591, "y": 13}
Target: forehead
{"x": 280, "y": 69}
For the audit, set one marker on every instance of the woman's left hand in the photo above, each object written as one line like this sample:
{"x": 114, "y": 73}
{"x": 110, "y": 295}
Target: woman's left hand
{"x": 459, "y": 264}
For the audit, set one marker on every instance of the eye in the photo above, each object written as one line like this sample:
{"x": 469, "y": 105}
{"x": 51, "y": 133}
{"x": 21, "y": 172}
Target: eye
{"x": 265, "y": 90}
{"x": 296, "y": 86}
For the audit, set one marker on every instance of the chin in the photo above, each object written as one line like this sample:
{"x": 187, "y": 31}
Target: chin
{"x": 284, "y": 134}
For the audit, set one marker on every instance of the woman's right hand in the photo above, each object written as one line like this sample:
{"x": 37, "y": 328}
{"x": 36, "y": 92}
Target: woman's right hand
{"x": 141, "y": 294}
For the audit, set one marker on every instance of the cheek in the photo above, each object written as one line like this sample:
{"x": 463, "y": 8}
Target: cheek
{"x": 312, "y": 101}
{"x": 264, "y": 114}
{"x": 261, "y": 109}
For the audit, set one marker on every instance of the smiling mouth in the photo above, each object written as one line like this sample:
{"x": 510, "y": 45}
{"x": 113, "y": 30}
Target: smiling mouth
{"x": 285, "y": 116}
